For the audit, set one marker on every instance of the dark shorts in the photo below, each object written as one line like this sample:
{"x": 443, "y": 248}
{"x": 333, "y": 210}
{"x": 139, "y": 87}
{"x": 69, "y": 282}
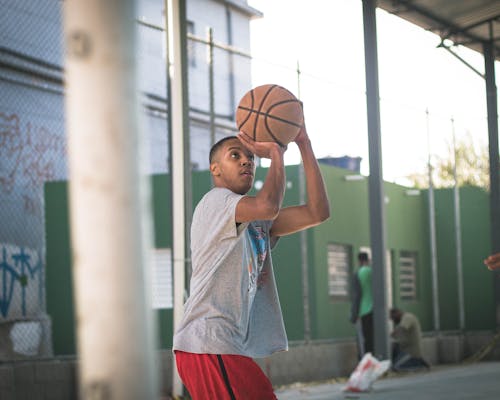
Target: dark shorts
{"x": 223, "y": 377}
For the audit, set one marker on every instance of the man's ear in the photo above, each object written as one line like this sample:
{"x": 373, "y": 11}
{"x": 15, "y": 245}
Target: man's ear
{"x": 214, "y": 169}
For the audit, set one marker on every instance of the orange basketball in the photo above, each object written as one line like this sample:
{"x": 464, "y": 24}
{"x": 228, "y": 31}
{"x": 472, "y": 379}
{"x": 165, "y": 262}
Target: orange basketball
{"x": 270, "y": 113}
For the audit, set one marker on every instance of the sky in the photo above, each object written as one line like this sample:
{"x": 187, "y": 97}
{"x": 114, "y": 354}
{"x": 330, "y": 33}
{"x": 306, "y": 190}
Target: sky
{"x": 426, "y": 94}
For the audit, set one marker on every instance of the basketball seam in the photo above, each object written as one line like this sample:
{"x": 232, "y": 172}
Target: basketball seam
{"x": 273, "y": 117}
{"x": 268, "y": 117}
{"x": 284, "y": 102}
{"x": 259, "y": 110}
{"x": 250, "y": 113}
{"x": 269, "y": 131}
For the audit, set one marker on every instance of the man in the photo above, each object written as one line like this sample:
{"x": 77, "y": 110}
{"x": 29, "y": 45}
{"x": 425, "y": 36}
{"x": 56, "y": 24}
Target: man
{"x": 362, "y": 303}
{"x": 233, "y": 312}
{"x": 407, "y": 348}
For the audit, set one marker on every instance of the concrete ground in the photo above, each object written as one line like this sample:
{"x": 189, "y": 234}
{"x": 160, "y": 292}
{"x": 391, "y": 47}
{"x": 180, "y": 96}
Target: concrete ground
{"x": 458, "y": 382}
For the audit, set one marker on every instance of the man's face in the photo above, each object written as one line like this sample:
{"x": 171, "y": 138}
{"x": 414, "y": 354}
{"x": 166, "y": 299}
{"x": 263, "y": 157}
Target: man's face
{"x": 233, "y": 167}
{"x": 396, "y": 317}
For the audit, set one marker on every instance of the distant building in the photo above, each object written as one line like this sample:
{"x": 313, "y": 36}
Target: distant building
{"x": 33, "y": 142}
{"x": 351, "y": 163}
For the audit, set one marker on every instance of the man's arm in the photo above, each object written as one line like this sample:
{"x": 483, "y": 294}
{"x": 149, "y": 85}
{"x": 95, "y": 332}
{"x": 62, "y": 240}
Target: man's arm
{"x": 317, "y": 207}
{"x": 267, "y": 203}
{"x": 355, "y": 298}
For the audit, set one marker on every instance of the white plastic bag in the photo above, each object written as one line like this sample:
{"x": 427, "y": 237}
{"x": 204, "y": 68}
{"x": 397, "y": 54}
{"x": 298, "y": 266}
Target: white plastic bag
{"x": 367, "y": 371}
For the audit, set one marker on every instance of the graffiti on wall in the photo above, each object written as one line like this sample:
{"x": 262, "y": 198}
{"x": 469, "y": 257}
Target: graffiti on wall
{"x": 21, "y": 282}
{"x": 30, "y": 154}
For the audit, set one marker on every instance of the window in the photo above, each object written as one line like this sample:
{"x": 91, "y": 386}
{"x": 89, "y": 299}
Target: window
{"x": 161, "y": 277}
{"x": 191, "y": 45}
{"x": 338, "y": 259}
{"x": 408, "y": 275}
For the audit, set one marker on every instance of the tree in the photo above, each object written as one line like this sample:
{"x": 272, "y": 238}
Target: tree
{"x": 472, "y": 167}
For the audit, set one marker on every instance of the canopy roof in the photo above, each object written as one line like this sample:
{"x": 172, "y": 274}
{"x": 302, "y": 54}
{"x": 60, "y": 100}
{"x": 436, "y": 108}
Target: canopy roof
{"x": 469, "y": 23}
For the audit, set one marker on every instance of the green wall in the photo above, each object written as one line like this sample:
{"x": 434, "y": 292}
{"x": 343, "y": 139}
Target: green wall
{"x": 478, "y": 281}
{"x": 60, "y": 302}
{"x": 58, "y": 276}
{"x": 406, "y": 228}
{"x": 287, "y": 264}
{"x": 348, "y": 225}
{"x": 162, "y": 228}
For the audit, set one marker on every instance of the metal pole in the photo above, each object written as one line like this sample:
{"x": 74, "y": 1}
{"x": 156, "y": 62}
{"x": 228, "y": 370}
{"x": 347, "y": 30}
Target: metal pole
{"x": 211, "y": 85}
{"x": 109, "y": 199}
{"x": 376, "y": 190}
{"x": 232, "y": 90}
{"x": 432, "y": 231}
{"x": 458, "y": 235}
{"x": 491, "y": 101}
{"x": 176, "y": 33}
{"x": 303, "y": 243}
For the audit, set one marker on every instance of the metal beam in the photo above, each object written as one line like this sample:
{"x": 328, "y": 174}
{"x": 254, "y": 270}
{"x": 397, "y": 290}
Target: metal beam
{"x": 448, "y": 49}
{"x": 491, "y": 103}
{"x": 180, "y": 158}
{"x": 443, "y": 23}
{"x": 375, "y": 183}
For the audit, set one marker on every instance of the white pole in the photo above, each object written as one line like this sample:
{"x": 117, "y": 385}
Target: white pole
{"x": 458, "y": 235}
{"x": 432, "y": 230}
{"x": 178, "y": 172}
{"x": 110, "y": 220}
{"x": 303, "y": 242}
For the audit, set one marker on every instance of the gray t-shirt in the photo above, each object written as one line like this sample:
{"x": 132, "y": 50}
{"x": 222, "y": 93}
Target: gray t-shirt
{"x": 233, "y": 307}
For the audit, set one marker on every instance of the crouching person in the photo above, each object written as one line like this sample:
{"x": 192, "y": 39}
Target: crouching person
{"x": 407, "y": 345}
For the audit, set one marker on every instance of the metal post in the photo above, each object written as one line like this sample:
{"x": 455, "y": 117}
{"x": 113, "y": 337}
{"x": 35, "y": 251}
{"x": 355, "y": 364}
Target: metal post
{"x": 458, "y": 235}
{"x": 211, "y": 85}
{"x": 179, "y": 133}
{"x": 491, "y": 101}
{"x": 376, "y": 190}
{"x": 232, "y": 90}
{"x": 109, "y": 199}
{"x": 432, "y": 238}
{"x": 303, "y": 243}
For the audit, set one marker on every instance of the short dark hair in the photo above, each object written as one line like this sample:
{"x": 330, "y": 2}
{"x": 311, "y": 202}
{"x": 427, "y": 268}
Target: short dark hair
{"x": 217, "y": 146}
{"x": 394, "y": 312}
{"x": 363, "y": 256}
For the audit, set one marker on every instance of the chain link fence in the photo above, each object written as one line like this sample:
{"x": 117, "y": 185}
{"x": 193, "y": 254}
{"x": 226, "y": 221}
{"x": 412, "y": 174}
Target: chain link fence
{"x": 220, "y": 70}
{"x": 32, "y": 151}
{"x": 33, "y": 140}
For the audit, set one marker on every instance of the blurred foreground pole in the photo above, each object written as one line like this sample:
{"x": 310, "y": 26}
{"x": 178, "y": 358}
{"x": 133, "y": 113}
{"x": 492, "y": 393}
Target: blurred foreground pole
{"x": 375, "y": 184}
{"x": 110, "y": 218}
{"x": 180, "y": 160}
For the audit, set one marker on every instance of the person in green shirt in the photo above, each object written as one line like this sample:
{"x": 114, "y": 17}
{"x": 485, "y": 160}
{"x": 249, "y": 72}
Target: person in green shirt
{"x": 407, "y": 346}
{"x": 362, "y": 302}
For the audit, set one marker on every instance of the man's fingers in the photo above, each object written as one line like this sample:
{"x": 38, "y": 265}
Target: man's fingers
{"x": 493, "y": 262}
{"x": 492, "y": 265}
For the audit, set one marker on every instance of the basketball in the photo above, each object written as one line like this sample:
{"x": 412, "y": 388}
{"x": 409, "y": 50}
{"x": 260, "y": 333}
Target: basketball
{"x": 270, "y": 113}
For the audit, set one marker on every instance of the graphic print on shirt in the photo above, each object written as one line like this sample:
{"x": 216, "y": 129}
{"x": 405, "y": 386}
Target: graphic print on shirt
{"x": 257, "y": 238}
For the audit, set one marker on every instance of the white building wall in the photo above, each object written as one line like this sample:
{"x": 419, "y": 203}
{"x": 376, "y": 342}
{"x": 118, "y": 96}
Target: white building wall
{"x": 32, "y": 137}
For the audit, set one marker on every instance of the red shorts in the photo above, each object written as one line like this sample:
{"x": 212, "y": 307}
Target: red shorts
{"x": 223, "y": 377}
